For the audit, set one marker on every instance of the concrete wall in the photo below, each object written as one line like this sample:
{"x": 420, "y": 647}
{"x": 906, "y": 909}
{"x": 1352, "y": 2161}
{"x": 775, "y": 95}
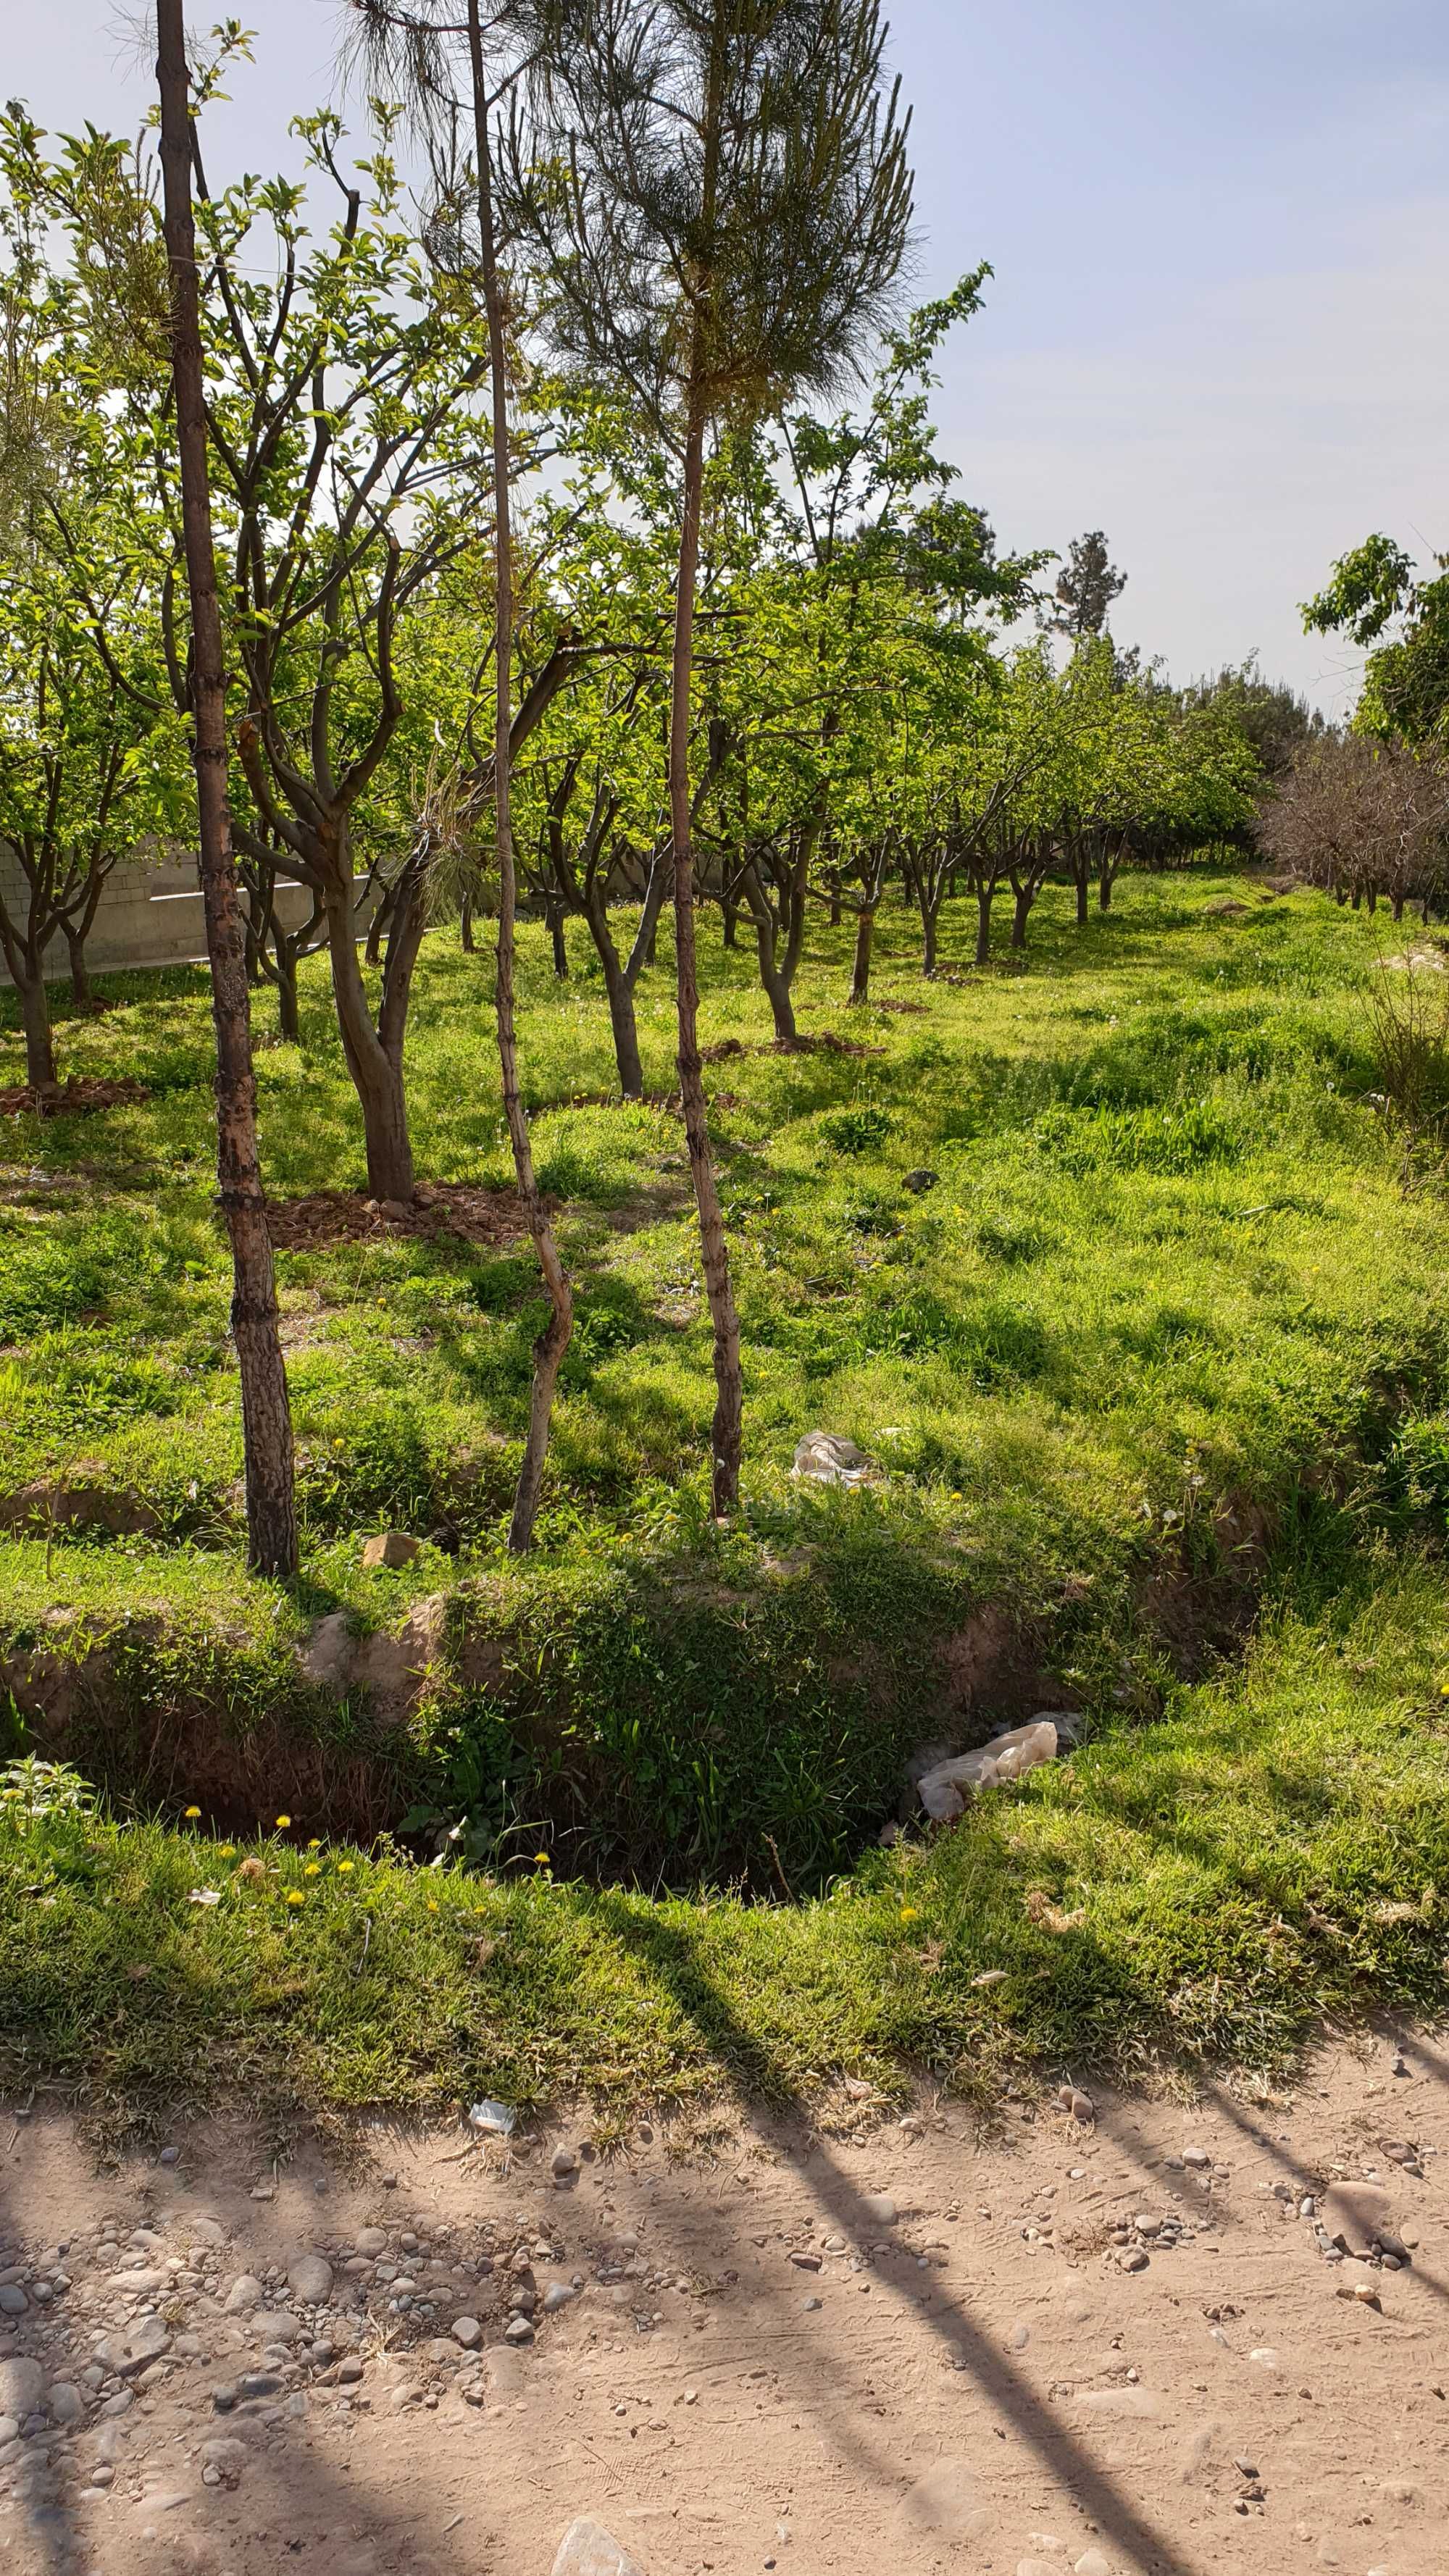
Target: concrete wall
{"x": 147, "y": 916}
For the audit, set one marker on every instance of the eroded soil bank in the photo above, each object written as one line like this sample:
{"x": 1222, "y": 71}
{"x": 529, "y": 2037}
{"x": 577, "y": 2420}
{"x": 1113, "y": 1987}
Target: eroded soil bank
{"x": 1119, "y": 2346}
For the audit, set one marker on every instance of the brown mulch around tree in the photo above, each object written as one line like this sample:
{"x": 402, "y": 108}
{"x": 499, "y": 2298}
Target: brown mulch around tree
{"x": 77, "y": 1094}
{"x": 439, "y": 1207}
{"x": 827, "y": 1043}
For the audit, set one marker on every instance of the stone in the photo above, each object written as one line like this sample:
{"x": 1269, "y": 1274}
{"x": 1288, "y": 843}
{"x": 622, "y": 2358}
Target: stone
{"x": 919, "y": 1181}
{"x": 390, "y": 1547}
{"x": 1134, "y": 2260}
{"x": 326, "y": 1657}
{"x": 830, "y": 1461}
{"x": 9, "y": 2432}
{"x": 879, "y": 2206}
{"x": 134, "y": 2350}
{"x": 372, "y": 2241}
{"x": 1196, "y": 2159}
{"x": 139, "y": 2285}
{"x": 227, "y": 2456}
{"x": 518, "y": 2331}
{"x": 64, "y": 2403}
{"x": 468, "y": 2332}
{"x": 948, "y": 2499}
{"x": 244, "y": 2295}
{"x": 559, "y": 2294}
{"x": 259, "y": 2383}
{"x": 278, "y": 2325}
{"x": 564, "y": 2163}
{"x": 349, "y": 2371}
{"x": 22, "y": 2385}
{"x": 804, "y": 2262}
{"x": 1356, "y": 2216}
{"x": 1091, "y": 2563}
{"x": 944, "y": 1789}
{"x": 588, "y": 2549}
{"x": 309, "y": 2279}
{"x": 13, "y": 2301}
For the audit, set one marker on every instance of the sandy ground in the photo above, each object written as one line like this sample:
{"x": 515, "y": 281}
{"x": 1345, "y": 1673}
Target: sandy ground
{"x": 918, "y": 2347}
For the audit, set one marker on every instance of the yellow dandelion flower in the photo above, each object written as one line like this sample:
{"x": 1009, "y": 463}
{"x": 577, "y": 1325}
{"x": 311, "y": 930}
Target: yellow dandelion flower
{"x": 282, "y": 1823}
{"x": 343, "y": 1867}
{"x": 192, "y": 1813}
{"x": 541, "y": 1861}
{"x": 226, "y": 1851}
{"x": 313, "y": 1869}
{"x": 910, "y": 1913}
{"x": 295, "y": 1896}
{"x": 432, "y": 1909}
{"x": 314, "y": 1844}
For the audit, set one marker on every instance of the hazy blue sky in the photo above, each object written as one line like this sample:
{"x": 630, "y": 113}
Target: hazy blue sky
{"x": 1219, "y": 323}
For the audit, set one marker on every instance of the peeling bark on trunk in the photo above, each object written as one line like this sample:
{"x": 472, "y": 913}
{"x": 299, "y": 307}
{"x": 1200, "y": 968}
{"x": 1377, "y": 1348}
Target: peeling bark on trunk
{"x": 266, "y": 1414}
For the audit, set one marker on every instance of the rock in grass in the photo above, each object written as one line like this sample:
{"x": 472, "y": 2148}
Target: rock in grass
{"x": 945, "y": 1788}
{"x": 587, "y": 2549}
{"x": 389, "y": 1547}
{"x": 828, "y": 1460}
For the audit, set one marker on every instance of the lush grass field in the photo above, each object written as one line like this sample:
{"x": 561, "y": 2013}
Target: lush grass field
{"x": 1160, "y": 1355}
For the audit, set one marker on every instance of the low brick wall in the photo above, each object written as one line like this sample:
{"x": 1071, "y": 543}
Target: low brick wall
{"x": 147, "y": 916}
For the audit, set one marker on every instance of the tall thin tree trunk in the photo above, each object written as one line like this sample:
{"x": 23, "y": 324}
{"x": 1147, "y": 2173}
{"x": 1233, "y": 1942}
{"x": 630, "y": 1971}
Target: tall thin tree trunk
{"x": 559, "y": 939}
{"x": 928, "y": 939}
{"x": 465, "y": 927}
{"x": 728, "y": 1433}
{"x": 1020, "y": 909}
{"x": 983, "y": 924}
{"x": 860, "y": 963}
{"x": 553, "y": 1341}
{"x": 266, "y": 1414}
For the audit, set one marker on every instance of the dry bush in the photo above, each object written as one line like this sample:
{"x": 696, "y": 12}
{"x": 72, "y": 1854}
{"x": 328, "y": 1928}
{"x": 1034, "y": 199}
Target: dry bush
{"x": 1364, "y": 821}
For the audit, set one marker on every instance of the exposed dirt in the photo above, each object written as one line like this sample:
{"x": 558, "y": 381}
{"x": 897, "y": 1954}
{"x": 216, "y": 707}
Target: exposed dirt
{"x": 826, "y": 1042}
{"x": 77, "y": 1093}
{"x": 438, "y": 1207}
{"x": 765, "y": 2363}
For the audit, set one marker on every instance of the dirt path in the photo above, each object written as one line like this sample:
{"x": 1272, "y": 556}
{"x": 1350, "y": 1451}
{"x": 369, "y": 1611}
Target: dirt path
{"x": 907, "y": 2350}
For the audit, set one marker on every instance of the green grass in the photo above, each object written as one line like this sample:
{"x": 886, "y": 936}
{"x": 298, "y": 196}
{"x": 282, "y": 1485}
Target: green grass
{"x": 1274, "y": 1850}
{"x": 1162, "y": 1351}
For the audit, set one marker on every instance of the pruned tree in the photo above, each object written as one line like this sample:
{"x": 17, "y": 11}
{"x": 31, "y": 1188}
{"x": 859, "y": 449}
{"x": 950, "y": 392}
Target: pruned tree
{"x": 721, "y": 208}
{"x": 1364, "y": 821}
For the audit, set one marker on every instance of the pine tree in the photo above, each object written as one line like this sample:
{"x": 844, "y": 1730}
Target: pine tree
{"x": 720, "y": 200}
{"x": 1087, "y": 587}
